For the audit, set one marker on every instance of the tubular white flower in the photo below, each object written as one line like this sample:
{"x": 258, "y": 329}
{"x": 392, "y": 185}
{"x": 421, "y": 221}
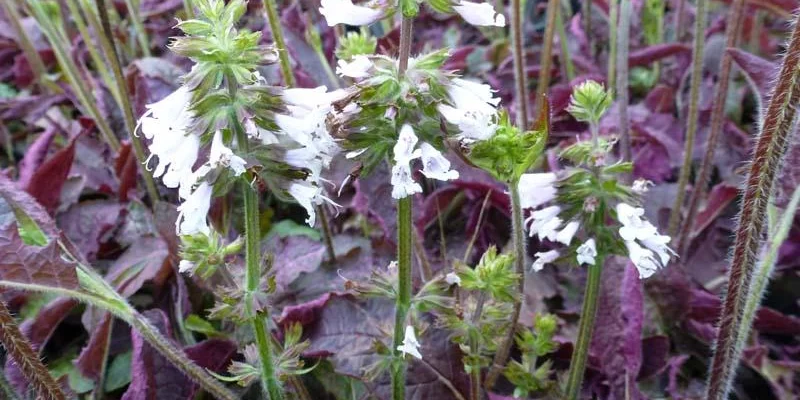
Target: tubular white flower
{"x": 165, "y": 123}
{"x": 544, "y": 222}
{"x": 264, "y": 136}
{"x": 403, "y": 184}
{"x": 359, "y": 67}
{"x": 452, "y": 279}
{"x": 193, "y": 211}
{"x": 641, "y": 186}
{"x": 479, "y": 14}
{"x": 222, "y": 156}
{"x": 435, "y": 165}
{"x": 633, "y": 225}
{"x": 643, "y": 259}
{"x": 305, "y": 194}
{"x": 472, "y": 109}
{"x": 544, "y": 258}
{"x": 587, "y": 252}
{"x": 345, "y": 12}
{"x": 410, "y": 343}
{"x": 658, "y": 244}
{"x": 536, "y": 189}
{"x": 565, "y": 235}
{"x": 185, "y": 266}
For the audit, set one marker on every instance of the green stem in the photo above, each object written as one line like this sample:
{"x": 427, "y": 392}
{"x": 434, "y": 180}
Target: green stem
{"x": 27, "y": 359}
{"x": 188, "y": 8}
{"x": 107, "y": 43}
{"x": 277, "y": 37}
{"x": 519, "y": 240}
{"x": 546, "y": 56}
{"x": 475, "y": 374}
{"x": 520, "y": 78}
{"x": 141, "y": 34}
{"x": 588, "y": 313}
{"x": 91, "y": 46}
{"x": 403, "y": 294}
{"x": 623, "y": 37}
{"x": 611, "y": 77}
{"x": 566, "y": 59}
{"x": 692, "y": 118}
{"x": 586, "y": 13}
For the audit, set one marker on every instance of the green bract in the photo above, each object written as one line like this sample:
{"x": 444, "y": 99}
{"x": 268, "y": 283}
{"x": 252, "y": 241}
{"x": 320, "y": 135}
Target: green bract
{"x": 589, "y": 102}
{"x": 509, "y": 153}
{"x": 356, "y": 43}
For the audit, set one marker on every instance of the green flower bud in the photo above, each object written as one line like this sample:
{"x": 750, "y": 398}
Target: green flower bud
{"x": 509, "y": 153}
{"x": 589, "y": 101}
{"x": 356, "y": 43}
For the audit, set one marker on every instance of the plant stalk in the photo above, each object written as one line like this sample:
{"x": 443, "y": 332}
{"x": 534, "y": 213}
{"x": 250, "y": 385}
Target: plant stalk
{"x": 475, "y": 373}
{"x": 20, "y": 349}
{"x": 773, "y": 140}
{"x": 734, "y": 23}
{"x": 519, "y": 241}
{"x": 566, "y": 59}
{"x": 403, "y": 294}
{"x": 188, "y": 8}
{"x": 678, "y": 27}
{"x": 136, "y": 18}
{"x": 586, "y": 14}
{"x": 107, "y": 43}
{"x": 611, "y": 76}
{"x": 588, "y": 312}
{"x": 520, "y": 78}
{"x": 547, "y": 54}
{"x": 92, "y": 47}
{"x": 692, "y": 118}
{"x": 623, "y": 41}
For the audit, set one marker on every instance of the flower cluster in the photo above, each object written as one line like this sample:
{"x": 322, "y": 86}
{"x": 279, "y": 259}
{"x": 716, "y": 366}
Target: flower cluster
{"x": 345, "y": 12}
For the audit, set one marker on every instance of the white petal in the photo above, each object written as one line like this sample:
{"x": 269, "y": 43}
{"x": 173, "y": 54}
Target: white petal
{"x": 435, "y": 165}
{"x": 565, "y": 235}
{"x": 193, "y": 211}
{"x": 358, "y": 68}
{"x": 536, "y": 189}
{"x": 404, "y": 147}
{"x": 185, "y": 266}
{"x": 479, "y": 14}
{"x": 410, "y": 343}
{"x": 643, "y": 259}
{"x": 587, "y": 252}
{"x": 222, "y": 156}
{"x": 658, "y": 244}
{"x": 403, "y": 184}
{"x": 305, "y": 194}
{"x": 452, "y": 279}
{"x": 543, "y": 258}
{"x": 345, "y": 12}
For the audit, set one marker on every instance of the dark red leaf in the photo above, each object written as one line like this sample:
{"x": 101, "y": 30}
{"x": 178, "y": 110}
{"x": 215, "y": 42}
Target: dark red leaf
{"x": 719, "y": 198}
{"x": 656, "y": 52}
{"x": 45, "y": 184}
{"x": 90, "y": 360}
{"x": 35, "y": 156}
{"x": 89, "y": 223}
{"x": 145, "y": 260}
{"x": 761, "y": 72}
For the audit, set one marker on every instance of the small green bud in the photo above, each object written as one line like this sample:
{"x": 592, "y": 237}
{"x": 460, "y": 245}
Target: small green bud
{"x": 509, "y": 153}
{"x": 546, "y": 325}
{"x": 494, "y": 274}
{"x": 410, "y": 8}
{"x": 195, "y": 27}
{"x": 356, "y": 43}
{"x": 589, "y": 101}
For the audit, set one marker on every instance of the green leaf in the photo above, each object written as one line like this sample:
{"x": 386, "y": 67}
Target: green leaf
{"x": 64, "y": 367}
{"x": 119, "y": 372}
{"x": 288, "y": 228}
{"x": 196, "y": 323}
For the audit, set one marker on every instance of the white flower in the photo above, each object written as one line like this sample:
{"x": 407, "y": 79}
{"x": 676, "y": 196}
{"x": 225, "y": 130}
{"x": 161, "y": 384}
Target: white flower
{"x": 185, "y": 266}
{"x": 544, "y": 258}
{"x": 472, "y": 109}
{"x": 359, "y": 67}
{"x": 565, "y": 235}
{"x": 435, "y": 165}
{"x": 545, "y": 223}
{"x": 403, "y": 184}
{"x": 166, "y": 123}
{"x": 410, "y": 344}
{"x": 643, "y": 259}
{"x": 452, "y": 279}
{"x": 641, "y": 186}
{"x": 222, "y": 156}
{"x": 479, "y": 14}
{"x": 587, "y": 252}
{"x": 404, "y": 147}
{"x": 193, "y": 211}
{"x": 633, "y": 226}
{"x": 308, "y": 194}
{"x": 658, "y": 244}
{"x": 253, "y": 131}
{"x": 345, "y": 12}
{"x": 536, "y": 189}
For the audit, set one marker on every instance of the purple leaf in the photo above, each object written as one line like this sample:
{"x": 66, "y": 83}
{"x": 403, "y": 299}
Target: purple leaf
{"x": 88, "y": 224}
{"x": 90, "y": 360}
{"x": 35, "y": 156}
{"x": 143, "y": 261}
{"x": 46, "y": 182}
{"x": 656, "y": 52}
{"x": 761, "y": 72}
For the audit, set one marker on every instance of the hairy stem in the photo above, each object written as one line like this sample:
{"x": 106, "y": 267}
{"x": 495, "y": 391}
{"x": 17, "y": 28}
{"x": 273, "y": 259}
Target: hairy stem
{"x": 577, "y": 365}
{"x": 27, "y": 359}
{"x": 37, "y": 65}
{"x": 623, "y": 39}
{"x": 518, "y": 240}
{"x": 277, "y": 37}
{"x": 404, "y": 239}
{"x": 773, "y": 140}
{"x": 403, "y": 294}
{"x": 734, "y": 23}
{"x": 178, "y": 358}
{"x": 136, "y": 19}
{"x": 107, "y": 43}
{"x": 520, "y": 78}
{"x": 611, "y": 76}
{"x": 475, "y": 374}
{"x": 692, "y": 118}
{"x": 547, "y": 54}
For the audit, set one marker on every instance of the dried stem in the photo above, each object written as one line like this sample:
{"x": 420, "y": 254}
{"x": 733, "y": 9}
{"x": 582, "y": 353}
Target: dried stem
{"x": 520, "y": 78}
{"x": 734, "y": 24}
{"x": 519, "y": 241}
{"x": 577, "y": 365}
{"x": 773, "y": 140}
{"x": 404, "y": 239}
{"x": 692, "y": 118}
{"x": 547, "y": 54}
{"x": 623, "y": 39}
{"x": 20, "y": 349}
{"x": 107, "y": 43}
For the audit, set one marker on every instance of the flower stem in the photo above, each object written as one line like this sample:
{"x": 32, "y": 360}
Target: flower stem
{"x": 475, "y": 373}
{"x": 734, "y": 23}
{"x": 691, "y": 128}
{"x": 547, "y": 54}
{"x": 107, "y": 43}
{"x": 141, "y": 33}
{"x": 611, "y": 76}
{"x": 586, "y": 13}
{"x": 277, "y": 37}
{"x": 27, "y": 359}
{"x": 566, "y": 59}
{"x": 773, "y": 140}
{"x": 588, "y": 313}
{"x": 520, "y": 81}
{"x": 623, "y": 40}
{"x": 403, "y": 294}
{"x": 518, "y": 236}
{"x": 178, "y": 358}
